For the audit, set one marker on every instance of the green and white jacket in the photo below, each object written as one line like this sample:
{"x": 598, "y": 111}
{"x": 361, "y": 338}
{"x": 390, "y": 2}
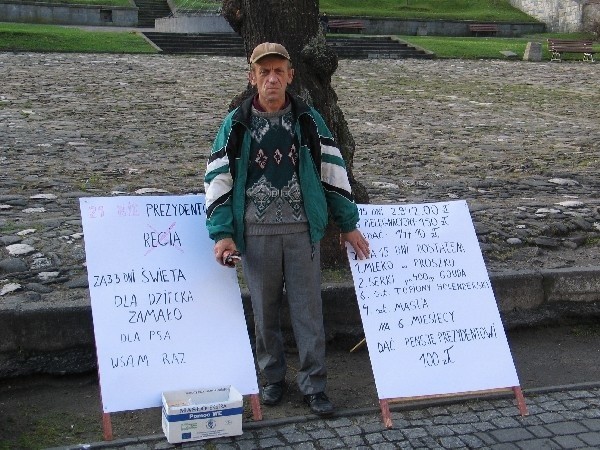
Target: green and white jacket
{"x": 321, "y": 172}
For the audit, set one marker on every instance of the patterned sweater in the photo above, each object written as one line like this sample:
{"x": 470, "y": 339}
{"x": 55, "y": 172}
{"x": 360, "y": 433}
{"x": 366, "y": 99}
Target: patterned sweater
{"x": 273, "y": 197}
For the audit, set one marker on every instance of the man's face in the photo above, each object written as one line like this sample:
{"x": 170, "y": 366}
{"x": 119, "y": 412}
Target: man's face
{"x": 271, "y": 75}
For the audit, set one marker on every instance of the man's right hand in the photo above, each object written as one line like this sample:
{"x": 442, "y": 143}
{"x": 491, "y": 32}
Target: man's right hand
{"x": 223, "y": 249}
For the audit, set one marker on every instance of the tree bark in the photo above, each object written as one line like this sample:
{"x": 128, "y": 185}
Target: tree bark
{"x": 295, "y": 24}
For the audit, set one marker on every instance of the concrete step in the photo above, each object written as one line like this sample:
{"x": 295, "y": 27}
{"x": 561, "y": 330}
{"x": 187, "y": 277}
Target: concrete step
{"x": 150, "y": 10}
{"x": 232, "y": 45}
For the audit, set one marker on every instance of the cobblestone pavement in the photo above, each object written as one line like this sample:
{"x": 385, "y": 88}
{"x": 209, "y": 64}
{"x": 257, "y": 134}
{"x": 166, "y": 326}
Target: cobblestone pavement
{"x": 564, "y": 419}
{"x": 519, "y": 141}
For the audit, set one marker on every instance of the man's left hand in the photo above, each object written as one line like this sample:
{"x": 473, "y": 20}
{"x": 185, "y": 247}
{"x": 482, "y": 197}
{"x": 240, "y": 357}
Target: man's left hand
{"x": 358, "y": 242}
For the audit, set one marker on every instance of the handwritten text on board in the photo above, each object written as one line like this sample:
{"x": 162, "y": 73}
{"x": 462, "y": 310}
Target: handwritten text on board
{"x": 429, "y": 314}
{"x": 166, "y": 315}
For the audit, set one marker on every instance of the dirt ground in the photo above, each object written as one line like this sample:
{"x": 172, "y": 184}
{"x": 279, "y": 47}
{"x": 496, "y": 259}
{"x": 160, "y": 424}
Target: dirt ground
{"x": 46, "y": 411}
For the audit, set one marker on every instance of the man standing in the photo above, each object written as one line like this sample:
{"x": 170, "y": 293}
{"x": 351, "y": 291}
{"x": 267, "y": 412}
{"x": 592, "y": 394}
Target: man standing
{"x": 273, "y": 172}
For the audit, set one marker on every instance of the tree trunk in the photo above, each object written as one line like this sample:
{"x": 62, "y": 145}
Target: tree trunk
{"x": 295, "y": 24}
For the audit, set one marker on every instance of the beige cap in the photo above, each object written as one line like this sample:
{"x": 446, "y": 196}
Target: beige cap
{"x": 268, "y": 48}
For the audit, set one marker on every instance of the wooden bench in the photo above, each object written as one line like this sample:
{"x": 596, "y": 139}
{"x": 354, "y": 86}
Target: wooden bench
{"x": 349, "y": 26}
{"x": 559, "y": 46}
{"x": 487, "y": 28}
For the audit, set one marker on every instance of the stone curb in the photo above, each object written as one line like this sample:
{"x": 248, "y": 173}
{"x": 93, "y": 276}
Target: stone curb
{"x": 35, "y": 337}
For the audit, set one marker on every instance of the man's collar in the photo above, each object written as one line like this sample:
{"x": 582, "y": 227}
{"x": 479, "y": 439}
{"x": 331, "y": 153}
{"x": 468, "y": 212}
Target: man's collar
{"x": 256, "y": 104}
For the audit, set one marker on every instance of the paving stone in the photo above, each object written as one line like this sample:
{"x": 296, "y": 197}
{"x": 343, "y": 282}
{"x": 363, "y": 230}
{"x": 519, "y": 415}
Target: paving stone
{"x": 505, "y": 422}
{"x": 573, "y": 405}
{"x": 270, "y": 442}
{"x": 540, "y": 431}
{"x": 247, "y": 445}
{"x": 386, "y": 446}
{"x": 511, "y": 434}
{"x": 412, "y": 433}
{"x": 566, "y": 428}
{"x": 304, "y": 446}
{"x": 581, "y": 394}
{"x": 592, "y": 439}
{"x": 451, "y": 442}
{"x": 332, "y": 443}
{"x": 486, "y": 438}
{"x": 538, "y": 444}
{"x": 440, "y": 430}
{"x": 339, "y": 422}
{"x": 348, "y": 431}
{"x": 353, "y": 441}
{"x": 484, "y": 426}
{"x": 322, "y": 434}
{"x": 593, "y": 413}
{"x": 550, "y": 417}
{"x": 504, "y": 446}
{"x": 591, "y": 424}
{"x": 293, "y": 437}
{"x": 568, "y": 441}
{"x": 462, "y": 428}
{"x": 394, "y": 435}
{"x": 374, "y": 438}
{"x": 472, "y": 441}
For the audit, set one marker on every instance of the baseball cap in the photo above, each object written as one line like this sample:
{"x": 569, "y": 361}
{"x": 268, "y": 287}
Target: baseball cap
{"x": 268, "y": 48}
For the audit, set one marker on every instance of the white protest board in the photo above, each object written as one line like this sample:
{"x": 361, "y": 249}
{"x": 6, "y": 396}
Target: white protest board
{"x": 428, "y": 311}
{"x": 166, "y": 315}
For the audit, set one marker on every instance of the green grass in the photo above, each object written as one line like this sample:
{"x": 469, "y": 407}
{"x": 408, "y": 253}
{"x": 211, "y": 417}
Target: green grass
{"x": 199, "y": 5}
{"x": 92, "y": 2}
{"x": 54, "y": 38}
{"x": 480, "y": 10}
{"x": 488, "y": 48}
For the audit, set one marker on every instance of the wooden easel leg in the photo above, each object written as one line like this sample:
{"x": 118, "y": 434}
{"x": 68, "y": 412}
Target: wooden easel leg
{"x": 107, "y": 427}
{"x": 359, "y": 345}
{"x": 255, "y": 403}
{"x": 385, "y": 413}
{"x": 520, "y": 400}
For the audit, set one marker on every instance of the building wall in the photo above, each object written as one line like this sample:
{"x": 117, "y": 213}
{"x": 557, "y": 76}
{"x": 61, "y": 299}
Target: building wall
{"x": 591, "y": 16}
{"x": 564, "y": 16}
{"x": 440, "y": 27}
{"x": 49, "y": 13}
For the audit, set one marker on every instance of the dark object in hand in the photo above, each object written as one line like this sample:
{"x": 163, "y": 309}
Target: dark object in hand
{"x": 232, "y": 259}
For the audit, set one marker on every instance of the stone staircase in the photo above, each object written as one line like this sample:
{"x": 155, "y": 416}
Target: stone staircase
{"x": 223, "y": 44}
{"x": 149, "y": 10}
{"x": 218, "y": 44}
{"x": 374, "y": 48}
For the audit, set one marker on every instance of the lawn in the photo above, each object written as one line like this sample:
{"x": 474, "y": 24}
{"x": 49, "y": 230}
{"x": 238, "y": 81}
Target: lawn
{"x": 488, "y": 48}
{"x": 28, "y": 37}
{"x": 479, "y": 10}
{"x": 55, "y": 38}
{"x": 93, "y": 2}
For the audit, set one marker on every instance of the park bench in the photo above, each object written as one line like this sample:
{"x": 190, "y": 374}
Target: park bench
{"x": 559, "y": 46}
{"x": 348, "y": 26}
{"x": 486, "y": 28}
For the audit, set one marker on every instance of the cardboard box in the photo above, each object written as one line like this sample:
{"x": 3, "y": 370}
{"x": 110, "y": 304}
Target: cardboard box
{"x": 194, "y": 414}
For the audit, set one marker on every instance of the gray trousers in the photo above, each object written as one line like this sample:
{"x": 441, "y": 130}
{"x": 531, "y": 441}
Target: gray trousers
{"x": 270, "y": 262}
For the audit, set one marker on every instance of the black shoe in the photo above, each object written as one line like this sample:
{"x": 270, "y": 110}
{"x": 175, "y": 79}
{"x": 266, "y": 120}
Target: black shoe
{"x": 319, "y": 404}
{"x": 272, "y": 393}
